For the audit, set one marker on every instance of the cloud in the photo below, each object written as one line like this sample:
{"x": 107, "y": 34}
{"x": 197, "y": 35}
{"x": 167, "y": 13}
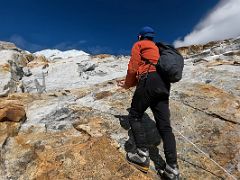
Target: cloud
{"x": 19, "y": 41}
{"x": 221, "y": 23}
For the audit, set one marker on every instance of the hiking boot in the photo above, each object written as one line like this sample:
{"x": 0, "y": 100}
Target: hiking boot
{"x": 171, "y": 172}
{"x": 160, "y": 168}
{"x": 140, "y": 159}
{"x": 160, "y": 172}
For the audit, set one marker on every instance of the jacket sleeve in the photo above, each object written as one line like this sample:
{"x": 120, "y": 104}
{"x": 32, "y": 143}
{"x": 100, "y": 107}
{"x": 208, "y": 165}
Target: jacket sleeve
{"x": 133, "y": 65}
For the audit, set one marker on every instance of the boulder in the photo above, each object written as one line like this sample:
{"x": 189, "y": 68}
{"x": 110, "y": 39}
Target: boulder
{"x": 102, "y": 56}
{"x": 13, "y": 66}
{"x": 7, "y": 45}
{"x": 38, "y": 61}
{"x": 12, "y": 110}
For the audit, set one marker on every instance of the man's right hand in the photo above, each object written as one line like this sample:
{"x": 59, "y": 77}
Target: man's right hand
{"x": 122, "y": 84}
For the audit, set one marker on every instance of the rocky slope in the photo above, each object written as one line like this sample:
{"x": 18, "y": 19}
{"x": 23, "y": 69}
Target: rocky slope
{"x": 63, "y": 116}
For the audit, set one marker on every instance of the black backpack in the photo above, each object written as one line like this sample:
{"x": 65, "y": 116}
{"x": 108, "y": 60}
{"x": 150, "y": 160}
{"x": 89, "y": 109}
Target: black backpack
{"x": 170, "y": 64}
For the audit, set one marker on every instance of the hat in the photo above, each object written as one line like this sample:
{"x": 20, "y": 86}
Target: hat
{"x": 147, "y": 32}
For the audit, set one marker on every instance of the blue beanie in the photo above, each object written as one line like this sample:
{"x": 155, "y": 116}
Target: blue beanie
{"x": 147, "y": 32}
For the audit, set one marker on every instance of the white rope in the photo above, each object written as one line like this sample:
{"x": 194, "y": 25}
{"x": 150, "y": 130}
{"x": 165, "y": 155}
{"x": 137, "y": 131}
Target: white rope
{"x": 230, "y": 175}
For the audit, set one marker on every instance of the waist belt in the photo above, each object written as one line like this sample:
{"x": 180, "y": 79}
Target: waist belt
{"x": 144, "y": 76}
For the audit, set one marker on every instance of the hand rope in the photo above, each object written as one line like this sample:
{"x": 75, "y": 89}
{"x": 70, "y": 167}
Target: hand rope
{"x": 230, "y": 175}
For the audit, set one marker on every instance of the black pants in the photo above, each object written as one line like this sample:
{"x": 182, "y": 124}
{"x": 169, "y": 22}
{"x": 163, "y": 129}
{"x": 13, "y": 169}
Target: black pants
{"x": 153, "y": 92}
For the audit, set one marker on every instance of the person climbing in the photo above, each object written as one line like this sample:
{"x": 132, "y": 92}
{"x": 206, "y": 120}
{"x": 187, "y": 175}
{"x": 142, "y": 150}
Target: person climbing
{"x": 151, "y": 91}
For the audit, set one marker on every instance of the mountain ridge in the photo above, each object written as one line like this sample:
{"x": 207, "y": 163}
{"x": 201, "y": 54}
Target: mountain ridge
{"x": 71, "y": 117}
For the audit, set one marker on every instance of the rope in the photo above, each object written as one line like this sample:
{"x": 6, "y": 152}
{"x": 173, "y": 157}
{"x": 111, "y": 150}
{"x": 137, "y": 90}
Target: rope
{"x": 200, "y": 167}
{"x": 185, "y": 138}
{"x": 230, "y": 175}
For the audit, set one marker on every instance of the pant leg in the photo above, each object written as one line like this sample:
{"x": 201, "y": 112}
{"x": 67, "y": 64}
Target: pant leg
{"x": 140, "y": 102}
{"x": 161, "y": 114}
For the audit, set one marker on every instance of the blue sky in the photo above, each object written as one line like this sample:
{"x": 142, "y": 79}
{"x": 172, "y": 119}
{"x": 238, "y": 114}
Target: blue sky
{"x": 97, "y": 26}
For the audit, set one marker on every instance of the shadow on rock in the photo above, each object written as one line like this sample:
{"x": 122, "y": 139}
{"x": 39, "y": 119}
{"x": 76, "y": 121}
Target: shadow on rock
{"x": 152, "y": 135}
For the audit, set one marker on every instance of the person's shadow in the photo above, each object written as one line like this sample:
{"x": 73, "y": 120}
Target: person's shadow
{"x": 152, "y": 135}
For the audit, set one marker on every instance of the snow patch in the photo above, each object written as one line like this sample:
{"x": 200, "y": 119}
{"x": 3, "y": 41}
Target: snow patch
{"x": 57, "y": 54}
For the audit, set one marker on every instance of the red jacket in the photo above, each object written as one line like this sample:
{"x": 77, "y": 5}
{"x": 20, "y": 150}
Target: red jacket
{"x": 144, "y": 49}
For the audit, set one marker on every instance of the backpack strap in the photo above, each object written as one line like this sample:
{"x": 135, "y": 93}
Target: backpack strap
{"x": 164, "y": 46}
{"x": 150, "y": 64}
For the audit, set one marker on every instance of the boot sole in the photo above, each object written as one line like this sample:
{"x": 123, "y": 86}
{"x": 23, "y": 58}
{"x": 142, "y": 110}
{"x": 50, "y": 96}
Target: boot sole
{"x": 141, "y": 168}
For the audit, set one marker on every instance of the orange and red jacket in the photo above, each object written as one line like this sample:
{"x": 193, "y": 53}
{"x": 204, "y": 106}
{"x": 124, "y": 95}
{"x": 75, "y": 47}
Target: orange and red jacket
{"x": 144, "y": 49}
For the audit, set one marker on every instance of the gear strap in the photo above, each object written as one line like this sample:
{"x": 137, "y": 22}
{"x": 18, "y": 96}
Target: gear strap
{"x": 150, "y": 63}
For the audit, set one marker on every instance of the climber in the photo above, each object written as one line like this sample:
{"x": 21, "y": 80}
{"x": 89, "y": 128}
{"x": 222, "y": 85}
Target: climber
{"x": 153, "y": 92}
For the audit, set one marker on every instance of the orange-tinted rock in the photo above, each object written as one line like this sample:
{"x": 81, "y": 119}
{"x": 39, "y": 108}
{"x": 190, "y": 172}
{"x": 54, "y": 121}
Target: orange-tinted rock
{"x": 38, "y": 61}
{"x": 67, "y": 155}
{"x": 7, "y": 45}
{"x": 29, "y": 57}
{"x": 213, "y": 101}
{"x": 102, "y": 95}
{"x": 5, "y": 67}
{"x": 8, "y": 129}
{"x": 183, "y": 50}
{"x": 190, "y": 50}
{"x": 12, "y": 110}
{"x": 102, "y": 56}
